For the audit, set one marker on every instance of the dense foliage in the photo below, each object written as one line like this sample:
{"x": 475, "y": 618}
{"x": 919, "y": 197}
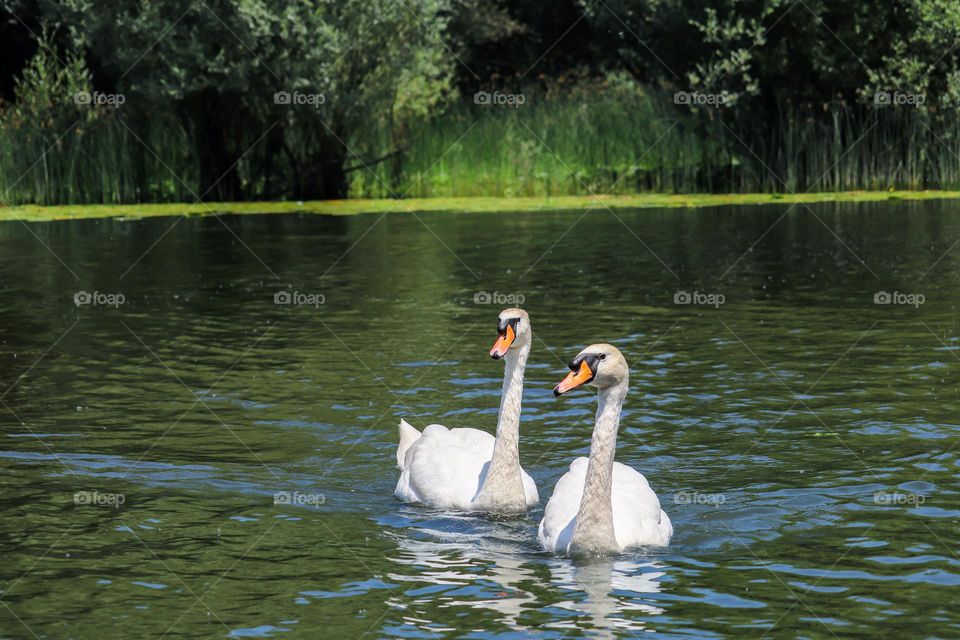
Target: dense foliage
{"x": 246, "y": 99}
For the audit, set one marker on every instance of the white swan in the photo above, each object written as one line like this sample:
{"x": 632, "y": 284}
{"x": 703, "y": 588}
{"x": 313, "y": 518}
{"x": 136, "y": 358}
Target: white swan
{"x": 468, "y": 469}
{"x": 600, "y": 506}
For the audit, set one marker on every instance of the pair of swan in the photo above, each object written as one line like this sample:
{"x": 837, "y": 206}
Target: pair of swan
{"x": 598, "y": 507}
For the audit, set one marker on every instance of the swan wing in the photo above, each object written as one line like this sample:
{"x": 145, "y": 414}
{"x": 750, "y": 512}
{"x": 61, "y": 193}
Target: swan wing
{"x": 530, "y": 489}
{"x": 638, "y": 519}
{"x": 442, "y": 468}
{"x": 560, "y": 514}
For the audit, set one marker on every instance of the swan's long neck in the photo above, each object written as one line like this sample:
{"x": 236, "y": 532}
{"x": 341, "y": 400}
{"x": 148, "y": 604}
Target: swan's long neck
{"x": 502, "y": 488}
{"x": 594, "y": 533}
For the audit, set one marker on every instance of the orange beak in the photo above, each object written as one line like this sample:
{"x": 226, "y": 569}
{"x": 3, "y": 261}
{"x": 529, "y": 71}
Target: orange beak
{"x": 574, "y": 379}
{"x": 503, "y": 343}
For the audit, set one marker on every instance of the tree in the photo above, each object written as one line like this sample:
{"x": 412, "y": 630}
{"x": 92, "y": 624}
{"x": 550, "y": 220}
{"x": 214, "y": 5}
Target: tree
{"x": 788, "y": 72}
{"x": 228, "y": 66}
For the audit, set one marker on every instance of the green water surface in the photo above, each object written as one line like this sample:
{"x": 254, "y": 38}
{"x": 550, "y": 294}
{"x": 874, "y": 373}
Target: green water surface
{"x": 184, "y": 457}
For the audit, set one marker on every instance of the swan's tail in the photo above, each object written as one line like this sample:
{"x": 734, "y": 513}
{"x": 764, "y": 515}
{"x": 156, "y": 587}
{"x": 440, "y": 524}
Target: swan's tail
{"x": 408, "y": 435}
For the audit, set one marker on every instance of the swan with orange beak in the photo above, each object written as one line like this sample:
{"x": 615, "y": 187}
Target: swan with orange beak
{"x": 600, "y": 506}
{"x": 468, "y": 469}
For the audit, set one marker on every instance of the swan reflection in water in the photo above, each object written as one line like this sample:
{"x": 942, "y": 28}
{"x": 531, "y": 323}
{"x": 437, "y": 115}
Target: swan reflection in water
{"x": 605, "y": 594}
{"x": 606, "y": 591}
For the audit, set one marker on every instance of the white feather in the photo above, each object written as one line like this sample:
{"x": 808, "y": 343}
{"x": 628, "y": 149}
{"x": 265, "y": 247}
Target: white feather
{"x": 408, "y": 435}
{"x": 638, "y": 519}
{"x": 444, "y": 468}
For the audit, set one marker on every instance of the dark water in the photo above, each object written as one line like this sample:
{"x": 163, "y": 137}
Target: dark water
{"x": 803, "y": 439}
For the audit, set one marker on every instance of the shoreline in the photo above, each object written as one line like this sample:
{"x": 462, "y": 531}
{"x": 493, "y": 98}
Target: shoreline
{"x": 35, "y": 213}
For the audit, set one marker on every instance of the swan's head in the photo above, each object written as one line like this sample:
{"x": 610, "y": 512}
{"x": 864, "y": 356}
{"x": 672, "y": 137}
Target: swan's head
{"x": 599, "y": 365}
{"x": 513, "y": 332}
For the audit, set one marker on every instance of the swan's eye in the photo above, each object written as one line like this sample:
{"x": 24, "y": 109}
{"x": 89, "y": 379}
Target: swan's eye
{"x": 602, "y": 356}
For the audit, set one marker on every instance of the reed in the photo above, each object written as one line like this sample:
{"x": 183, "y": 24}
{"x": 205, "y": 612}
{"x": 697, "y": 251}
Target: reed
{"x": 618, "y": 140}
{"x": 591, "y": 137}
{"x": 586, "y": 139}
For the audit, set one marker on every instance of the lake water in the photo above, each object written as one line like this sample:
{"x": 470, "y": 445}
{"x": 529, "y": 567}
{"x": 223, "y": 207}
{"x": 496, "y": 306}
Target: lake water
{"x": 803, "y": 438}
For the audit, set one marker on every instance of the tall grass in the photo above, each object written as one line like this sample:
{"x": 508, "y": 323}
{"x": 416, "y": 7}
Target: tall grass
{"x": 56, "y": 147}
{"x": 617, "y": 139}
{"x": 589, "y": 137}
{"x": 853, "y": 148}
{"x": 102, "y": 161}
